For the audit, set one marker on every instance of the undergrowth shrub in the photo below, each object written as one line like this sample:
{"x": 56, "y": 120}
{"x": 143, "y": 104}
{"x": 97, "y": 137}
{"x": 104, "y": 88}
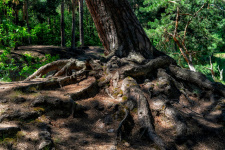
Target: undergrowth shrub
{"x": 12, "y": 70}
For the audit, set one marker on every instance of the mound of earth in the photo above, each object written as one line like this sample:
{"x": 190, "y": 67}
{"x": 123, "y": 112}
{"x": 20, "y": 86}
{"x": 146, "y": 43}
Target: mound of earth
{"x": 112, "y": 108}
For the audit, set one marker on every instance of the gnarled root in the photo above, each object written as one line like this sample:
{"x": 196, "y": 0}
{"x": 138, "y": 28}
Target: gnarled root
{"x": 60, "y": 67}
{"x": 126, "y": 122}
{"x": 197, "y": 78}
{"x": 152, "y": 65}
{"x": 153, "y": 88}
{"x": 133, "y": 92}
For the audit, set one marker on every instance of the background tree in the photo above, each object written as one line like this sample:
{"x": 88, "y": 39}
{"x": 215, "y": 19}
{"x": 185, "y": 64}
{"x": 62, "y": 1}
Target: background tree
{"x": 74, "y": 2}
{"x": 81, "y": 23}
{"x": 62, "y": 25}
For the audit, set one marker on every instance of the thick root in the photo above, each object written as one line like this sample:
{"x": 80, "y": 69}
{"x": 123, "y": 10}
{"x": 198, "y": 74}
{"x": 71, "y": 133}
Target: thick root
{"x": 60, "y": 67}
{"x": 144, "y": 70}
{"x": 156, "y": 93}
{"x": 133, "y": 92}
{"x": 197, "y": 78}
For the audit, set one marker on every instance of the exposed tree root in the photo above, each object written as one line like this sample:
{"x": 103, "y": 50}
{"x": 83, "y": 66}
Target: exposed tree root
{"x": 197, "y": 78}
{"x": 149, "y": 87}
{"x": 152, "y": 65}
{"x": 87, "y": 92}
{"x": 122, "y": 123}
{"x": 61, "y": 67}
{"x": 133, "y": 92}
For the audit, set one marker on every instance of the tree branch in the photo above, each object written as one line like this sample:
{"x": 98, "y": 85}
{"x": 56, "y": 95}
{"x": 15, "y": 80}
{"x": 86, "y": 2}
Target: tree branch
{"x": 194, "y": 15}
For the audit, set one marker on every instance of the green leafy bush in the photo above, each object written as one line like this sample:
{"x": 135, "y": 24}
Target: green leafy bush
{"x": 32, "y": 66}
{"x": 11, "y": 70}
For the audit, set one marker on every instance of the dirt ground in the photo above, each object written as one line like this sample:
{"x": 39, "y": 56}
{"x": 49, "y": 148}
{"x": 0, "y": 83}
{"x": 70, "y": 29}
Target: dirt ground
{"x": 44, "y": 116}
{"x": 64, "y": 53}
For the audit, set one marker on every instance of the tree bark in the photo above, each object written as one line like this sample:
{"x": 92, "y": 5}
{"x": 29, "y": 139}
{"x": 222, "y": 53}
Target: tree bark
{"x": 81, "y": 13}
{"x": 119, "y": 29}
{"x": 73, "y": 44}
{"x": 62, "y": 25}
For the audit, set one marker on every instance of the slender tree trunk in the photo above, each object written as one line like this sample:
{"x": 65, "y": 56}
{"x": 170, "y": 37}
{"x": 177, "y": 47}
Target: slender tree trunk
{"x": 15, "y": 13}
{"x": 91, "y": 29}
{"x": 87, "y": 20}
{"x": 49, "y": 23}
{"x": 119, "y": 29}
{"x": 24, "y": 9}
{"x": 73, "y": 42}
{"x": 81, "y": 25}
{"x": 27, "y": 20}
{"x": 53, "y": 22}
{"x": 63, "y": 43}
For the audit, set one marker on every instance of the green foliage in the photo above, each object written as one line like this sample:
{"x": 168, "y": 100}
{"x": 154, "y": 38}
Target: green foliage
{"x": 41, "y": 34}
{"x": 44, "y": 24}
{"x": 205, "y": 33}
{"x": 10, "y": 33}
{"x": 12, "y": 70}
{"x": 31, "y": 67}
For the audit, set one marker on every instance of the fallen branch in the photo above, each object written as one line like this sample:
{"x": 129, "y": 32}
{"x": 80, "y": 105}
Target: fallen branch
{"x": 221, "y": 73}
{"x": 211, "y": 69}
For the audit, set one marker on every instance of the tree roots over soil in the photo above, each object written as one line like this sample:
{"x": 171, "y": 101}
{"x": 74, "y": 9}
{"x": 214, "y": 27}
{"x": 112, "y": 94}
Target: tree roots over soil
{"x": 160, "y": 101}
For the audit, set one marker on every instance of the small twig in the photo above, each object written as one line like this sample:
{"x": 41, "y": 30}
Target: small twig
{"x": 176, "y": 26}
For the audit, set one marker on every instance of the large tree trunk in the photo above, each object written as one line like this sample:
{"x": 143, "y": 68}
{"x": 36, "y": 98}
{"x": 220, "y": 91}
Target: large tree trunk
{"x": 119, "y": 29}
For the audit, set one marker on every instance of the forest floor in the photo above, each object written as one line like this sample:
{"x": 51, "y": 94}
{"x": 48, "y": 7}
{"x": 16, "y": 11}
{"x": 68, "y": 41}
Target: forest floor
{"x": 43, "y": 118}
{"x": 64, "y": 53}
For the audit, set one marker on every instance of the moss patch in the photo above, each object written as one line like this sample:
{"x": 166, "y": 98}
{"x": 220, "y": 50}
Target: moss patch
{"x": 20, "y": 134}
{"x": 39, "y": 109}
{"x": 124, "y": 98}
{"x": 15, "y": 94}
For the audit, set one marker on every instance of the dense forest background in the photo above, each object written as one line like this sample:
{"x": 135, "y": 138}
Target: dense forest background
{"x": 196, "y": 28}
